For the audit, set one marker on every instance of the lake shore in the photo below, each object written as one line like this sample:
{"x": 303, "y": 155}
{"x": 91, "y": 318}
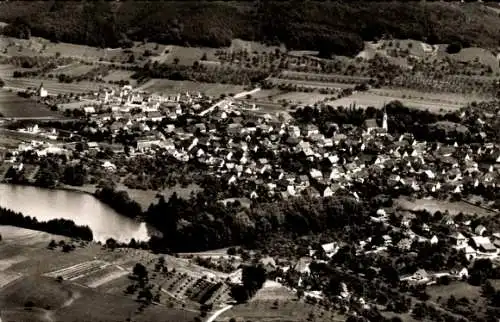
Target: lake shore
{"x": 143, "y": 197}
{"x": 81, "y": 207}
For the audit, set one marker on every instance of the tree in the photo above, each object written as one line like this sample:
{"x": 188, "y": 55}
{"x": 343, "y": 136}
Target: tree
{"x": 176, "y": 60}
{"x": 111, "y": 243}
{"x": 140, "y": 271}
{"x": 2, "y": 83}
{"x": 52, "y": 244}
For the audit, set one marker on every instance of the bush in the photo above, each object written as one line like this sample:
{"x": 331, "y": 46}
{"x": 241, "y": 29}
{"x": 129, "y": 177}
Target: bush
{"x": 454, "y": 48}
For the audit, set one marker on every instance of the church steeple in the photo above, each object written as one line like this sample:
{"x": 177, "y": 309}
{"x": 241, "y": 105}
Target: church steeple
{"x": 384, "y": 119}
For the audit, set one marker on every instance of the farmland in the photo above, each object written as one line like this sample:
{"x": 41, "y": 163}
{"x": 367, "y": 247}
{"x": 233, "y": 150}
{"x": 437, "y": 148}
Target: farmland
{"x": 52, "y": 86}
{"x": 95, "y": 277}
{"x": 12, "y": 105}
{"x": 366, "y": 99}
{"x": 166, "y": 86}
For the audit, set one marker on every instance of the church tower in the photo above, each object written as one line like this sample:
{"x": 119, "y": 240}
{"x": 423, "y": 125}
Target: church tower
{"x": 384, "y": 120}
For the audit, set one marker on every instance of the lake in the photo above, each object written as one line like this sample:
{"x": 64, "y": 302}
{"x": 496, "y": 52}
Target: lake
{"x": 82, "y": 208}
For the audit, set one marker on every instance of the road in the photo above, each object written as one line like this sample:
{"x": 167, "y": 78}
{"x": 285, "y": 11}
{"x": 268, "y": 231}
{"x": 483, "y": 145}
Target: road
{"x": 216, "y": 314}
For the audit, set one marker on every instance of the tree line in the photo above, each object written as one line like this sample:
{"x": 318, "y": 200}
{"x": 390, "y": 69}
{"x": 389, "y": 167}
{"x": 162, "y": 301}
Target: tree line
{"x": 119, "y": 201}
{"x": 338, "y": 27}
{"x": 55, "y": 226}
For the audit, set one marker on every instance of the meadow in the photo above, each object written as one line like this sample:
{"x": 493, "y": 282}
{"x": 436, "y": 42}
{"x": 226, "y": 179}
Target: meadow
{"x": 12, "y": 105}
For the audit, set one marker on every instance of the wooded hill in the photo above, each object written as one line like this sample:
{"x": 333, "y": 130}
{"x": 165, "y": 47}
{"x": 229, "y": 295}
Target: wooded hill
{"x": 336, "y": 26}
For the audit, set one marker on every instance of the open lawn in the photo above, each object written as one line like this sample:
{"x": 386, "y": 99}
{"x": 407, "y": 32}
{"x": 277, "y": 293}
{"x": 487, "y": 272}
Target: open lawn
{"x": 433, "y": 205}
{"x": 12, "y": 105}
{"x": 169, "y": 87}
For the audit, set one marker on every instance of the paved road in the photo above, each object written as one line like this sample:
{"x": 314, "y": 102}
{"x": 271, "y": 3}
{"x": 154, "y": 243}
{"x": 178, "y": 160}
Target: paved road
{"x": 217, "y": 313}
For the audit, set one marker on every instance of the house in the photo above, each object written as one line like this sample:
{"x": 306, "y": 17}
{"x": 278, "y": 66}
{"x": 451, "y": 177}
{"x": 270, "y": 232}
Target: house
{"x": 434, "y": 240}
{"x": 419, "y": 277}
{"x": 483, "y": 244}
{"x": 155, "y": 116}
{"x": 327, "y": 192}
{"x": 460, "y": 273}
{"x": 89, "y": 110}
{"x": 330, "y": 249}
{"x": 480, "y": 230}
{"x": 109, "y": 166}
{"x": 268, "y": 263}
{"x": 302, "y": 266}
{"x": 404, "y": 244}
{"x": 146, "y": 144}
{"x": 459, "y": 240}
{"x": 369, "y": 125}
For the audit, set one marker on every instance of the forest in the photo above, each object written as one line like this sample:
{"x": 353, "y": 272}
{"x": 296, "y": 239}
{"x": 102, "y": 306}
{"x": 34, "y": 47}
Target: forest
{"x": 56, "y": 226}
{"x": 330, "y": 27}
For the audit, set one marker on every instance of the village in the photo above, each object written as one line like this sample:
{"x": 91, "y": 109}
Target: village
{"x": 260, "y": 156}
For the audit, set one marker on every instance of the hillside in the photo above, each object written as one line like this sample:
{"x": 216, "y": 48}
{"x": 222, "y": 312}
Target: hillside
{"x": 330, "y": 27}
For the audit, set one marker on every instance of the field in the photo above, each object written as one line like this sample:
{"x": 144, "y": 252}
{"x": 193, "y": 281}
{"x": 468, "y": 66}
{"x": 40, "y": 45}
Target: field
{"x": 74, "y": 70}
{"x": 284, "y": 311}
{"x": 118, "y": 75}
{"x": 377, "y": 99}
{"x": 301, "y": 98}
{"x": 310, "y": 83}
{"x": 169, "y": 87}
{"x": 12, "y": 105}
{"x": 186, "y": 55}
{"x": 433, "y": 205}
{"x": 52, "y": 86}
{"x": 94, "y": 280}
{"x": 457, "y": 289}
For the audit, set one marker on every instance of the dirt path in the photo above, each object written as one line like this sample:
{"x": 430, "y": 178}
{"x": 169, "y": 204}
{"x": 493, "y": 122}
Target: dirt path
{"x": 217, "y": 313}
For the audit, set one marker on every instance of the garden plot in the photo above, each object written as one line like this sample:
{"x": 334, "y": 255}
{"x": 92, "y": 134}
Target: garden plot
{"x": 101, "y": 276}
{"x": 77, "y": 271}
